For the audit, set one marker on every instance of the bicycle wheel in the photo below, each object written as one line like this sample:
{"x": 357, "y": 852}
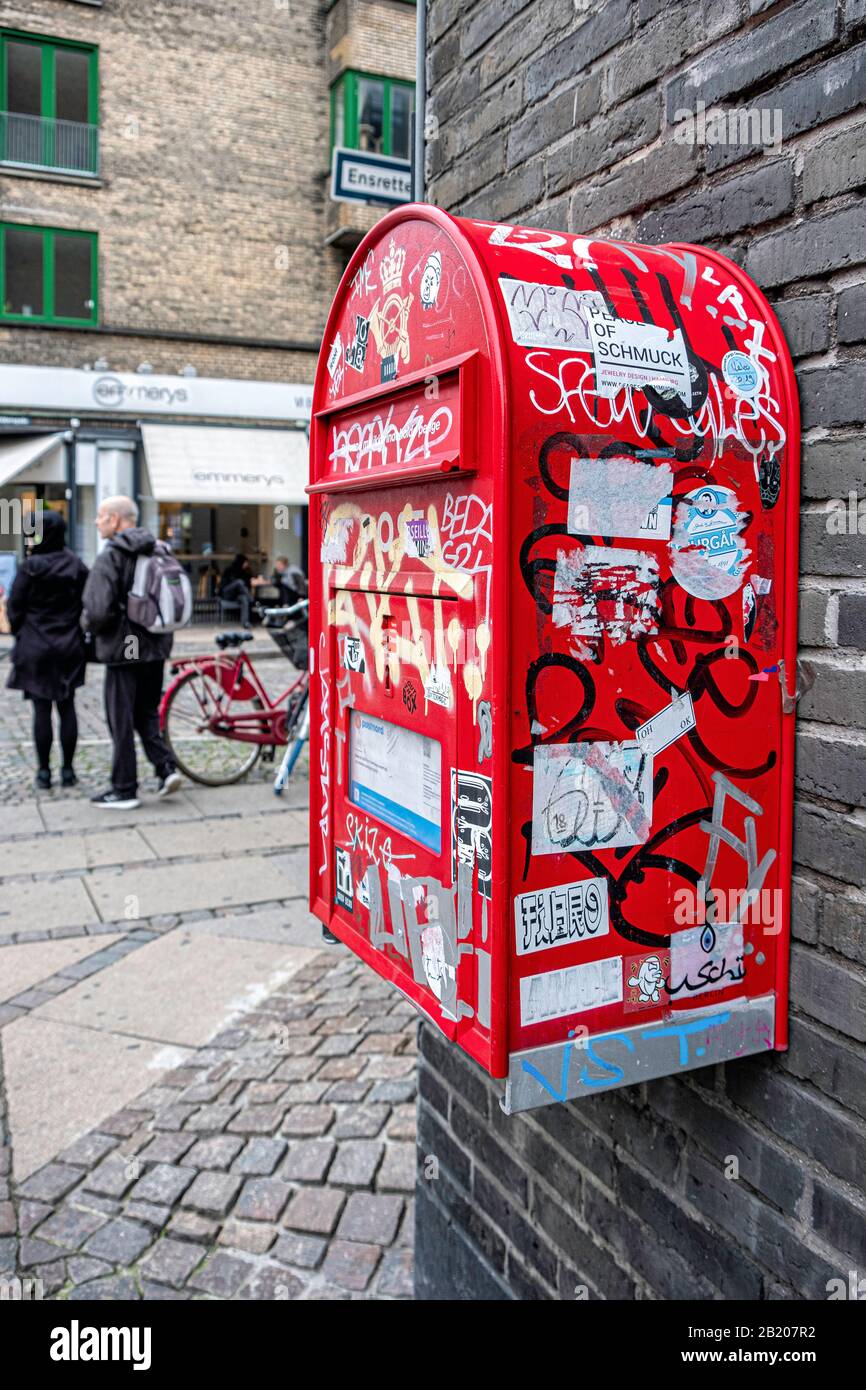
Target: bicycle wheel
{"x": 211, "y": 758}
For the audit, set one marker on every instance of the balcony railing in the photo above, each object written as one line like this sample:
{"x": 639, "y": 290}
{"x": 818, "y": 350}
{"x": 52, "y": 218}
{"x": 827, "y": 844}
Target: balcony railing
{"x": 35, "y": 142}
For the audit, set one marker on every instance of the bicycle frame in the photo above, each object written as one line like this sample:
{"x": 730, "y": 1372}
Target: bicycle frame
{"x": 237, "y": 678}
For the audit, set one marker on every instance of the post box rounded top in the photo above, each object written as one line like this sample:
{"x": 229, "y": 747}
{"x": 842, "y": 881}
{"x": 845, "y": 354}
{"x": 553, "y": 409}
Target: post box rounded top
{"x": 670, "y": 340}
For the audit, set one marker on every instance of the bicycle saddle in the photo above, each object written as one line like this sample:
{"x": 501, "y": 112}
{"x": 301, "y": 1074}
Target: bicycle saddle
{"x": 233, "y": 639}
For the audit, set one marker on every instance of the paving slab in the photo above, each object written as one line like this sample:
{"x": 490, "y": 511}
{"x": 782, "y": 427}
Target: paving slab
{"x": 23, "y": 819}
{"x": 42, "y": 906}
{"x": 58, "y": 853}
{"x": 292, "y": 925}
{"x": 161, "y": 888}
{"x": 245, "y": 798}
{"x": 62, "y": 1080}
{"x": 25, "y": 965}
{"x": 79, "y": 813}
{"x": 228, "y": 835}
{"x": 180, "y": 988}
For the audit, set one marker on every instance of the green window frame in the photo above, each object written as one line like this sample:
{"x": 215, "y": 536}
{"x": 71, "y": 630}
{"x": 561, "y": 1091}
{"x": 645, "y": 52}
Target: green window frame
{"x": 50, "y": 236}
{"x": 48, "y": 150}
{"x": 345, "y": 107}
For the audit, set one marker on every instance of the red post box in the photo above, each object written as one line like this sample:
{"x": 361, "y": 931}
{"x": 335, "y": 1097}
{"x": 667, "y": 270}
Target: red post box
{"x": 553, "y": 557}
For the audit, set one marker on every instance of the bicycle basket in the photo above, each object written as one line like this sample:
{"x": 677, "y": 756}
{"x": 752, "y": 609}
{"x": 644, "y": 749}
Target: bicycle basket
{"x": 293, "y": 642}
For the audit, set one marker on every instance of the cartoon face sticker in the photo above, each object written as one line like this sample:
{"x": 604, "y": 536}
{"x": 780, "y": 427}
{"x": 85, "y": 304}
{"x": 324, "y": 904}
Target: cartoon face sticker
{"x": 649, "y": 980}
{"x": 430, "y": 280}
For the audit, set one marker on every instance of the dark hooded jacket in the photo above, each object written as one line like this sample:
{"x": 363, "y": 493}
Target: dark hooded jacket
{"x": 44, "y": 611}
{"x": 105, "y": 595}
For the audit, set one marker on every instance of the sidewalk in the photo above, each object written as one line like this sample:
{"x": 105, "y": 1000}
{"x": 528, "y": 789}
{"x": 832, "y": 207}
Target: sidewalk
{"x": 196, "y": 1098}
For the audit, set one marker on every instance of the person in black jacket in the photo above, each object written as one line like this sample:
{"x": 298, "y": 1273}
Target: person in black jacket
{"x": 134, "y": 658}
{"x": 48, "y": 660}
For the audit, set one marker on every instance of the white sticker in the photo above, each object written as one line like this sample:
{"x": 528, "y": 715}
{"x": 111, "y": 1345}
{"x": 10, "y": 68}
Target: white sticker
{"x": 335, "y": 357}
{"x": 353, "y": 654}
{"x": 636, "y": 354}
{"x": 545, "y": 316}
{"x": 437, "y": 687}
{"x": 343, "y": 887}
{"x": 619, "y": 497}
{"x": 706, "y": 958}
{"x": 335, "y": 541}
{"x": 570, "y": 991}
{"x": 590, "y": 796}
{"x": 667, "y": 726}
{"x": 559, "y": 915}
{"x": 362, "y": 891}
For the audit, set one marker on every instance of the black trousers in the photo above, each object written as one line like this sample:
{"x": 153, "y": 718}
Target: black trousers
{"x": 132, "y": 695}
{"x": 43, "y": 734}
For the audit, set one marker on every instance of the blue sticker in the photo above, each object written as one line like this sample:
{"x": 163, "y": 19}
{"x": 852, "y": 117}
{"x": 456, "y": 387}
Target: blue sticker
{"x": 740, "y": 373}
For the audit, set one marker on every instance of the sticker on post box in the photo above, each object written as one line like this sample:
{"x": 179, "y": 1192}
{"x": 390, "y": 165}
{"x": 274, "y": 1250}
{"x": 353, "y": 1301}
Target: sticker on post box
{"x": 472, "y": 826}
{"x": 590, "y": 796}
{"x": 545, "y": 316}
{"x": 559, "y": 915}
{"x": 706, "y": 958}
{"x": 387, "y": 762}
{"x": 635, "y": 354}
{"x": 571, "y": 991}
{"x": 667, "y": 726}
{"x": 619, "y": 497}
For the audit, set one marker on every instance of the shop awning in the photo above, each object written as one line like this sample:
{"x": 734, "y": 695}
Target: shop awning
{"x": 206, "y": 464}
{"x": 21, "y": 452}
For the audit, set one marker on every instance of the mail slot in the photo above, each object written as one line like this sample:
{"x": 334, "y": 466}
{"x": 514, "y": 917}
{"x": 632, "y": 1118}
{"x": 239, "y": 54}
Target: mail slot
{"x": 553, "y": 558}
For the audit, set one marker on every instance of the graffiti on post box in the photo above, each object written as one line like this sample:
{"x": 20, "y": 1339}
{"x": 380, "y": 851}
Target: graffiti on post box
{"x": 552, "y": 501}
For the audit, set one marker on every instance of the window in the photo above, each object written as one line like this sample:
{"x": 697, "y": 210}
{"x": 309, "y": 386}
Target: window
{"x": 48, "y": 104}
{"x": 47, "y": 275}
{"x": 372, "y": 113}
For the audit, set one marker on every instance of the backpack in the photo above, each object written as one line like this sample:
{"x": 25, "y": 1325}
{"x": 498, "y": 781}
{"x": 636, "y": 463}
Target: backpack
{"x": 160, "y": 596}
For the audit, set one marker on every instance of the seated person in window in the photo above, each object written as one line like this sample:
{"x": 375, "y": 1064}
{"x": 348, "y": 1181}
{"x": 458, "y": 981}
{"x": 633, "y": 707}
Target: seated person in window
{"x": 236, "y": 585}
{"x": 289, "y": 579}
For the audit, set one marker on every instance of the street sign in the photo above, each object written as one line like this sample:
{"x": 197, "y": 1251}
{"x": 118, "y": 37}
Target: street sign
{"x": 358, "y": 177}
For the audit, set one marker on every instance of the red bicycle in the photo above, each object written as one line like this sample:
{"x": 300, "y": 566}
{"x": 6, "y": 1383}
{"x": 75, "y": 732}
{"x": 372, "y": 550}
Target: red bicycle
{"x": 217, "y": 715}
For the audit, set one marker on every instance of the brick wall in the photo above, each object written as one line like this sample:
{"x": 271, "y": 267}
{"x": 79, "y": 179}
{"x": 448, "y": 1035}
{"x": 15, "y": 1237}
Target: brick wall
{"x": 562, "y": 117}
{"x": 210, "y": 209}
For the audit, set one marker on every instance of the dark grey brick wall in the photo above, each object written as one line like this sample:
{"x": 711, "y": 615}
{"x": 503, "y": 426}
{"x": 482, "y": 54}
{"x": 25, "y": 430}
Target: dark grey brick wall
{"x": 561, "y": 116}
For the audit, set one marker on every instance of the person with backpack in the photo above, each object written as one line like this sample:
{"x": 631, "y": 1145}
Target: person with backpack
{"x": 48, "y": 660}
{"x": 136, "y": 596}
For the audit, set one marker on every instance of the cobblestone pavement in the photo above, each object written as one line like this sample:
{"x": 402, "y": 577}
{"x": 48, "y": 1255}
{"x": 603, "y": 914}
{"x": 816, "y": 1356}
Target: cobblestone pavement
{"x": 196, "y": 1099}
{"x": 277, "y": 1163}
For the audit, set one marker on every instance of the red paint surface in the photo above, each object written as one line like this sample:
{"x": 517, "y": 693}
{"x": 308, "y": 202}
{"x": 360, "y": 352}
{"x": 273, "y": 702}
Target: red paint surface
{"x": 491, "y": 483}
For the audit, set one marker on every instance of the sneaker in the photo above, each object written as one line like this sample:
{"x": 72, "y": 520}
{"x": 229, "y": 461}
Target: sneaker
{"x": 116, "y": 800}
{"x": 43, "y": 778}
{"x": 68, "y": 777}
{"x": 169, "y": 783}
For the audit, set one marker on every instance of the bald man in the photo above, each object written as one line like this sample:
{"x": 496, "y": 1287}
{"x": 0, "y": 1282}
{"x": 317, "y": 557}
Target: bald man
{"x": 134, "y": 658}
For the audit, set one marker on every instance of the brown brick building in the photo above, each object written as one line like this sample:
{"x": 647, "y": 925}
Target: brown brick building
{"x": 166, "y": 224}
